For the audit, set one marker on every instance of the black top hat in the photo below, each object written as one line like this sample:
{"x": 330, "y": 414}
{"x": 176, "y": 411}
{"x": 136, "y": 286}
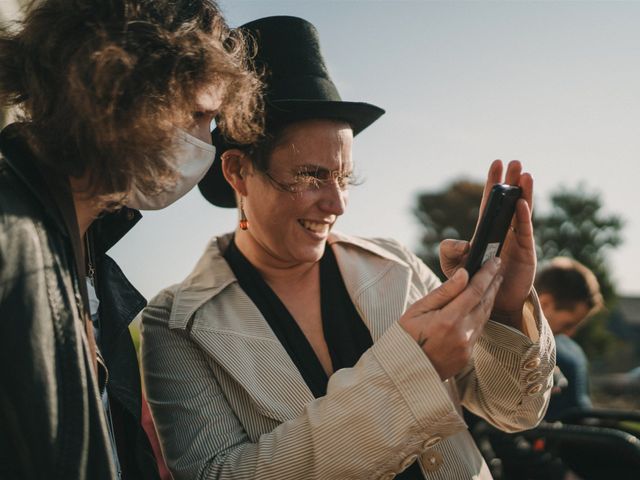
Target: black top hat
{"x": 297, "y": 87}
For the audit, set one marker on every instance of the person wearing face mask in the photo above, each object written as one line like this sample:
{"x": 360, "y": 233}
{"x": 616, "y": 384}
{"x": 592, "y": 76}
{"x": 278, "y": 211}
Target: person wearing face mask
{"x": 117, "y": 100}
{"x": 293, "y": 351}
{"x": 192, "y": 159}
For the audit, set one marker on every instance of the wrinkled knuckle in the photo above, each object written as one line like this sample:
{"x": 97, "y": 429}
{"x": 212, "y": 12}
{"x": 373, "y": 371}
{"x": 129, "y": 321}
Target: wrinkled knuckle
{"x": 419, "y": 307}
{"x": 477, "y": 289}
{"x": 441, "y": 292}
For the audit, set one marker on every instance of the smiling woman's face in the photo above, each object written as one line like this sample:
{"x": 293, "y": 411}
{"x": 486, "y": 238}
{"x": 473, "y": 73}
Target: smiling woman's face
{"x": 292, "y": 226}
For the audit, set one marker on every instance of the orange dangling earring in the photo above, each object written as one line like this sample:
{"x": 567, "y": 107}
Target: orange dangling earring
{"x": 244, "y": 223}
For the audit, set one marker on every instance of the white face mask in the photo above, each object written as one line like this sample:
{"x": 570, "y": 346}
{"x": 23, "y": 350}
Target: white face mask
{"x": 192, "y": 160}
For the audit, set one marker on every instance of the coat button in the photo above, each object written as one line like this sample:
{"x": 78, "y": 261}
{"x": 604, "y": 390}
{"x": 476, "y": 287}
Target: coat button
{"x": 531, "y": 364}
{"x": 534, "y": 389}
{"x": 408, "y": 462}
{"x": 130, "y": 215}
{"x": 532, "y": 377}
{"x": 431, "y": 442}
{"x": 432, "y": 461}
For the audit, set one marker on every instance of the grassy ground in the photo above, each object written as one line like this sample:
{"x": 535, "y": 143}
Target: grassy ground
{"x": 134, "y": 328}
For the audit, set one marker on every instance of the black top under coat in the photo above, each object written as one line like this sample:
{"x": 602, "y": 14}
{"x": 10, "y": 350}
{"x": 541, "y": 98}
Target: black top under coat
{"x": 345, "y": 333}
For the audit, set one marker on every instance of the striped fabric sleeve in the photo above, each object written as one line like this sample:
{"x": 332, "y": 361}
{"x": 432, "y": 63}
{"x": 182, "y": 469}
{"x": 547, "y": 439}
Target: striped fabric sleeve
{"x": 373, "y": 417}
{"x": 509, "y": 379}
{"x": 509, "y": 382}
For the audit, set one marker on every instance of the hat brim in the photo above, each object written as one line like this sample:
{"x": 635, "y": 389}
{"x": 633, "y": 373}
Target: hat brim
{"x": 359, "y": 115}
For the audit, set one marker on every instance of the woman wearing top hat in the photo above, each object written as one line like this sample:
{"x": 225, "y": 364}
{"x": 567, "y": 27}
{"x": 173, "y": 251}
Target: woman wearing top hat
{"x": 292, "y": 351}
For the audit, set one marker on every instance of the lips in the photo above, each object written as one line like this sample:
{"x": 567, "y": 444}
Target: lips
{"x": 321, "y": 228}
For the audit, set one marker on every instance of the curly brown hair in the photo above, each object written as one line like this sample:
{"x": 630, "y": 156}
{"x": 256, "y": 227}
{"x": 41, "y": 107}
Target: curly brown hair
{"x": 104, "y": 84}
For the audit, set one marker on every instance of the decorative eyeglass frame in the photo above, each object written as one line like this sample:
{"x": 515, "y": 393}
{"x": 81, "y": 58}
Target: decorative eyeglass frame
{"x": 311, "y": 180}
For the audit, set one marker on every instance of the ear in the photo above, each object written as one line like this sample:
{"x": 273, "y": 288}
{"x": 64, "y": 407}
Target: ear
{"x": 235, "y": 166}
{"x": 548, "y": 306}
{"x": 546, "y": 301}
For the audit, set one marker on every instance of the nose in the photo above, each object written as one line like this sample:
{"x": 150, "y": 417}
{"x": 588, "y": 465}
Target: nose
{"x": 334, "y": 199}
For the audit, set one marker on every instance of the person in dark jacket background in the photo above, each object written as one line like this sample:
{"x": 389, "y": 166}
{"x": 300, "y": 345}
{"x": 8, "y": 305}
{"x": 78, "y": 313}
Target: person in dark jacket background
{"x": 569, "y": 294}
{"x": 117, "y": 99}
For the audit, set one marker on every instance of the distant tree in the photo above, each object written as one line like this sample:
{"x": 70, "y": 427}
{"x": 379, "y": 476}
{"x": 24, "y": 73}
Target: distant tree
{"x": 448, "y": 213}
{"x": 576, "y": 227}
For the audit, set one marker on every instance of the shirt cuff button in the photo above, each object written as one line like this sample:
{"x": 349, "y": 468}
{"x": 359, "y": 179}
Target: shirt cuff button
{"x": 534, "y": 389}
{"x": 531, "y": 364}
{"x": 408, "y": 462}
{"x": 431, "y": 442}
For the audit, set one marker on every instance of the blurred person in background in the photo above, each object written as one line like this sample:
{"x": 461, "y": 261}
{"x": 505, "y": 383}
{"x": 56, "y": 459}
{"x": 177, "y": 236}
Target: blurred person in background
{"x": 569, "y": 294}
{"x": 295, "y": 352}
{"x": 117, "y": 99}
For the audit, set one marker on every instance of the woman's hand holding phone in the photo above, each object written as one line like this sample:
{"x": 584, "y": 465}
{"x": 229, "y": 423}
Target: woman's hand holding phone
{"x": 518, "y": 252}
{"x": 447, "y": 321}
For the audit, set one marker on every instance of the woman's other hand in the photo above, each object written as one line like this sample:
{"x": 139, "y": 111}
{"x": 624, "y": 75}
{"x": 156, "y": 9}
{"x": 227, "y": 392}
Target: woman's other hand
{"x": 518, "y": 252}
{"x": 447, "y": 322}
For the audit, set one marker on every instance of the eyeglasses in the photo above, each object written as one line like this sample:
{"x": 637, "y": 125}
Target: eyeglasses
{"x": 310, "y": 179}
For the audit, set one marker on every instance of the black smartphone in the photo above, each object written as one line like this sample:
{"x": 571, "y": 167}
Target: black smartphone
{"x": 493, "y": 226}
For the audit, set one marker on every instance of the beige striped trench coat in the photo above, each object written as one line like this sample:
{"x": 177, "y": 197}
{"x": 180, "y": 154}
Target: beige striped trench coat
{"x": 229, "y": 403}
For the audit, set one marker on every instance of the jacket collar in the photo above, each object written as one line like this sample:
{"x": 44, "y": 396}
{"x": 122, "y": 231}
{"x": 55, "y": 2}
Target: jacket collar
{"x": 362, "y": 243}
{"x": 111, "y": 227}
{"x": 209, "y": 277}
{"x": 41, "y": 181}
{"x": 234, "y": 333}
{"x": 212, "y": 275}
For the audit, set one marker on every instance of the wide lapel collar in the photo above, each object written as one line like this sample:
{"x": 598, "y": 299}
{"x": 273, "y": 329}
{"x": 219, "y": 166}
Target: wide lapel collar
{"x": 378, "y": 281}
{"x": 225, "y": 323}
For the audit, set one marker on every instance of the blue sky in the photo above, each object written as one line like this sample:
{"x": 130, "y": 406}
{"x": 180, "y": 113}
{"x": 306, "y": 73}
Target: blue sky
{"x": 553, "y": 84}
